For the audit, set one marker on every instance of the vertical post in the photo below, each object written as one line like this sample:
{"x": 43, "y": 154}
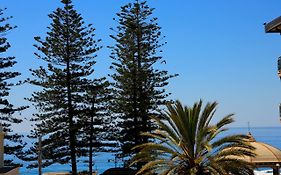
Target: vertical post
{"x": 40, "y": 155}
{"x": 276, "y": 170}
{"x": 279, "y": 67}
{"x": 251, "y": 172}
{"x": 2, "y": 134}
{"x": 280, "y": 112}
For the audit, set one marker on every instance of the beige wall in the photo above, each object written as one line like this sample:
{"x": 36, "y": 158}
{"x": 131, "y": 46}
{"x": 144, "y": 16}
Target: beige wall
{"x": 12, "y": 172}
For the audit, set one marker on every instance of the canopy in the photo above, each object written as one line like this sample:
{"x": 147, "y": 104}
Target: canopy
{"x": 265, "y": 154}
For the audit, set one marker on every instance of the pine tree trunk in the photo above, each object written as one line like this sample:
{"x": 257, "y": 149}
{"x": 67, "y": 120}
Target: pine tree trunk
{"x": 40, "y": 155}
{"x": 135, "y": 113}
{"x": 70, "y": 117}
{"x": 91, "y": 150}
{"x": 72, "y": 133}
{"x": 71, "y": 125}
{"x": 91, "y": 141}
{"x": 140, "y": 90}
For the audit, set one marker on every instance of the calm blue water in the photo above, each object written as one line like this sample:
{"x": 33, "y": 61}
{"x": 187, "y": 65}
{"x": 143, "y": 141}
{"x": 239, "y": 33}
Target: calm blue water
{"x": 103, "y": 161}
{"x": 269, "y": 135}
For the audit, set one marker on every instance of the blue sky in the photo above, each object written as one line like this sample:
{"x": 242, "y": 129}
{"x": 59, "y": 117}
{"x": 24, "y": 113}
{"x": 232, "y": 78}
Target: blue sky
{"x": 218, "y": 47}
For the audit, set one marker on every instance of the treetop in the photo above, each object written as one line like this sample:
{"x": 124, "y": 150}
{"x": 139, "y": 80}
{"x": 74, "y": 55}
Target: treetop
{"x": 66, "y": 1}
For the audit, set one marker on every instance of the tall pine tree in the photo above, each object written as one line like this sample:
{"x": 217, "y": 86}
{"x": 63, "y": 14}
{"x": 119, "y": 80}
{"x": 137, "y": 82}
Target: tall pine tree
{"x": 138, "y": 83}
{"x": 13, "y": 141}
{"x": 69, "y": 92}
{"x": 96, "y": 133}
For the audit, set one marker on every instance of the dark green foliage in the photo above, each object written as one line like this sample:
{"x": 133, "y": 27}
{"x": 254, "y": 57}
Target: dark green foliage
{"x": 138, "y": 84}
{"x": 71, "y": 101}
{"x": 96, "y": 125}
{"x": 13, "y": 141}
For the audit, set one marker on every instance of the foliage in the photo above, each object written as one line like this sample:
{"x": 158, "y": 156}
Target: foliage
{"x": 13, "y": 141}
{"x": 138, "y": 83}
{"x": 71, "y": 103}
{"x": 187, "y": 143}
{"x": 96, "y": 124}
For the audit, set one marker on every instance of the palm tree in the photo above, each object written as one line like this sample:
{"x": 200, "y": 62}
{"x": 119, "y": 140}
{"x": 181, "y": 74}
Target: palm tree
{"x": 186, "y": 143}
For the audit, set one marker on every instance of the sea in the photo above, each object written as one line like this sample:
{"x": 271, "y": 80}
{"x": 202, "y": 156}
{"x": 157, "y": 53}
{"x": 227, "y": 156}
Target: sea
{"x": 104, "y": 161}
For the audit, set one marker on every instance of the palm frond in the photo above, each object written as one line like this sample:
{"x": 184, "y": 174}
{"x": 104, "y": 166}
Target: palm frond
{"x": 187, "y": 143}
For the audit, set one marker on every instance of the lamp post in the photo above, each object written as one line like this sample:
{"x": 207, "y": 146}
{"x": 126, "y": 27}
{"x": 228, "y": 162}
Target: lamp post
{"x": 274, "y": 26}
